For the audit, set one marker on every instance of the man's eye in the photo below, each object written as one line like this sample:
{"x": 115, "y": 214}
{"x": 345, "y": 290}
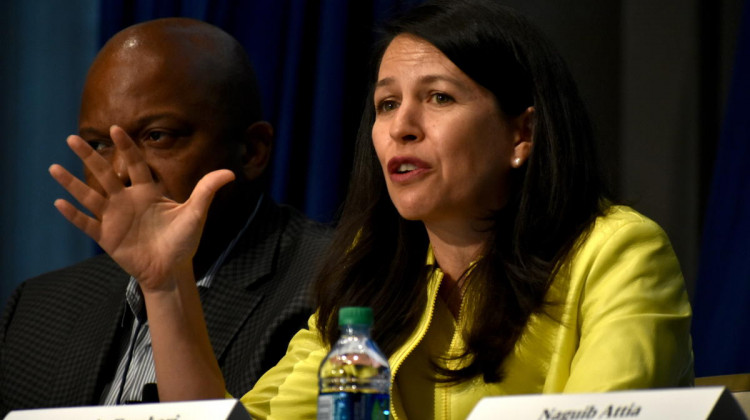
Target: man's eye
{"x": 160, "y": 139}
{"x": 156, "y": 135}
{"x": 98, "y": 145}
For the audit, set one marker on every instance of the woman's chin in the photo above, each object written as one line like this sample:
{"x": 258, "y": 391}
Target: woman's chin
{"x": 410, "y": 212}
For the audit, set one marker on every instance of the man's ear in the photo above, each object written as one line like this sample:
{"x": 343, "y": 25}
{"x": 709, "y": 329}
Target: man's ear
{"x": 256, "y": 153}
{"x": 523, "y": 139}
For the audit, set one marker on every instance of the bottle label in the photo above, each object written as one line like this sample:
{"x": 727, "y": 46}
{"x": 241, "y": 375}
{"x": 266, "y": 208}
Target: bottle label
{"x": 353, "y": 406}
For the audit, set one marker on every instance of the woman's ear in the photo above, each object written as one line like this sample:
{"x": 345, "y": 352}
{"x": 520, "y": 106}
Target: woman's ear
{"x": 523, "y": 139}
{"x": 257, "y": 146}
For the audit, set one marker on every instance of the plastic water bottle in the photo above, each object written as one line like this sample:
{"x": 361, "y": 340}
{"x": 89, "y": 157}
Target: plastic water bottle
{"x": 354, "y": 379}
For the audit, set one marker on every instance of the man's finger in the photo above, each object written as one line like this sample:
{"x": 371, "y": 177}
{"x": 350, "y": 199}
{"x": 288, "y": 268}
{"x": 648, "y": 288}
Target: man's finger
{"x": 88, "y": 197}
{"x": 99, "y": 167}
{"x": 79, "y": 219}
{"x": 207, "y": 187}
{"x": 138, "y": 171}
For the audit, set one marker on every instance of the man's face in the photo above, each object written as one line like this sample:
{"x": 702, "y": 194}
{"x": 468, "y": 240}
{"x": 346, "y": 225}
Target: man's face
{"x": 167, "y": 108}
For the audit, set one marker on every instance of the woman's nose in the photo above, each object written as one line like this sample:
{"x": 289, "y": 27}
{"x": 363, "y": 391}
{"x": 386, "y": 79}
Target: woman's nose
{"x": 406, "y": 124}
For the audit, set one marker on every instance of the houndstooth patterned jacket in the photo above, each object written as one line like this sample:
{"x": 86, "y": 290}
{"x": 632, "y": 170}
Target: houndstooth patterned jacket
{"x": 61, "y": 332}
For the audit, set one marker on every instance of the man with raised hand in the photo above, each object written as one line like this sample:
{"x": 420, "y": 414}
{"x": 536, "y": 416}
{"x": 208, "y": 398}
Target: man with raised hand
{"x": 170, "y": 127}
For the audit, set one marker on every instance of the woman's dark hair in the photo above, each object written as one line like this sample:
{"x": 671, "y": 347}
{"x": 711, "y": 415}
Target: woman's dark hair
{"x": 378, "y": 258}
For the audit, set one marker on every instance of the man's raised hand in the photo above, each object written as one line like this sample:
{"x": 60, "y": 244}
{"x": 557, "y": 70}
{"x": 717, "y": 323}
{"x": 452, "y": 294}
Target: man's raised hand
{"x": 146, "y": 233}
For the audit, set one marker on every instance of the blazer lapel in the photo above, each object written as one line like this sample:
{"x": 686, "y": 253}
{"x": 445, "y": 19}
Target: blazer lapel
{"x": 89, "y": 347}
{"x": 231, "y": 299}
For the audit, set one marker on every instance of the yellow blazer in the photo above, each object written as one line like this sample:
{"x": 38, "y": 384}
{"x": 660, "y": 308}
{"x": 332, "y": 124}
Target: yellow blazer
{"x": 620, "y": 319}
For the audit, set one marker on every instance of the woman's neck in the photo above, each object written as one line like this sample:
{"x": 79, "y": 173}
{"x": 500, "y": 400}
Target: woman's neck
{"x": 455, "y": 248}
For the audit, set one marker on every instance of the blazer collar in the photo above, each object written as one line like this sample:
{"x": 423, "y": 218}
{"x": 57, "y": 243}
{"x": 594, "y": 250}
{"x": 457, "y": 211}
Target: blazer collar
{"x": 232, "y": 298}
{"x": 89, "y": 349}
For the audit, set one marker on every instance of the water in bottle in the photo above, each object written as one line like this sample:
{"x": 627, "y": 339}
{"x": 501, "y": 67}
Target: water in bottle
{"x": 354, "y": 378}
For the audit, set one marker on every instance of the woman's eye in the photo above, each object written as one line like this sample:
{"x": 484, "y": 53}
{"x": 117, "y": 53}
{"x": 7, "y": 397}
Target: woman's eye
{"x": 442, "y": 98}
{"x": 387, "y": 105}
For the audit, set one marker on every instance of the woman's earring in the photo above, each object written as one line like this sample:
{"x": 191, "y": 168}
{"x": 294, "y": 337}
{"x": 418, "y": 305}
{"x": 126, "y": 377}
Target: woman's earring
{"x": 517, "y": 162}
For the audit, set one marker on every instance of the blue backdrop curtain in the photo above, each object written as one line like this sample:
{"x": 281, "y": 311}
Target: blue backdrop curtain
{"x": 721, "y": 324}
{"x": 311, "y": 58}
{"x": 46, "y": 47}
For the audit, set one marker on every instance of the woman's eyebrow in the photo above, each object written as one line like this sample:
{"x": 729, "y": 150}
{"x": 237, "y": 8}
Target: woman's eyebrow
{"x": 426, "y": 79}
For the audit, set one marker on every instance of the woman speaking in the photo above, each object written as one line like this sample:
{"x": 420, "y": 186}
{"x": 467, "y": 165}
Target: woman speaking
{"x": 478, "y": 229}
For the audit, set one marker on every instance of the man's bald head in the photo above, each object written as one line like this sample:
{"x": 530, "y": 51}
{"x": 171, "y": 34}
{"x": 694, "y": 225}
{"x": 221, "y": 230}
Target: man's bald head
{"x": 201, "y": 55}
{"x": 185, "y": 92}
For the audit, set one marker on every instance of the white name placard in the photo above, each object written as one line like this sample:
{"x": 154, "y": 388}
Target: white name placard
{"x": 658, "y": 404}
{"x": 190, "y": 410}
